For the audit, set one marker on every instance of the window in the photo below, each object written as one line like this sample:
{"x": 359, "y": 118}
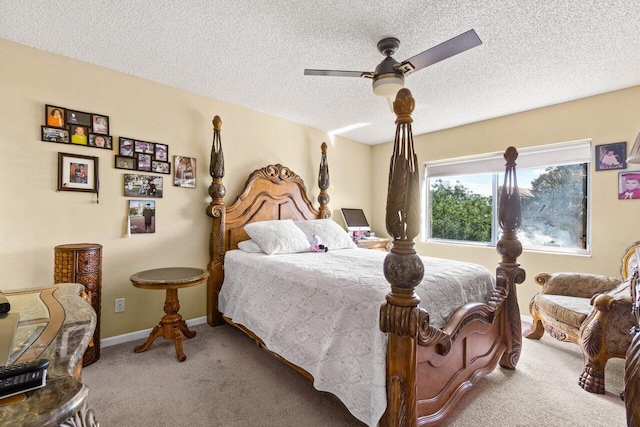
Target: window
{"x": 462, "y": 197}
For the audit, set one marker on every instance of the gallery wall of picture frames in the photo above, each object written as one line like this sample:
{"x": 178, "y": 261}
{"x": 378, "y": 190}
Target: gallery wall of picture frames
{"x": 145, "y": 156}
{"x": 67, "y": 126}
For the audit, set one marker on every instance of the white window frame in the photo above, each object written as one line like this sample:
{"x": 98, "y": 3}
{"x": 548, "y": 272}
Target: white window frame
{"x": 557, "y": 154}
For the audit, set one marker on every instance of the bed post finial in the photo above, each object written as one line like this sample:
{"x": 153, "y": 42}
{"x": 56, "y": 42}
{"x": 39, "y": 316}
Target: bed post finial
{"x": 216, "y": 210}
{"x": 216, "y": 167}
{"x": 508, "y": 272}
{"x": 403, "y": 269}
{"x": 323, "y": 183}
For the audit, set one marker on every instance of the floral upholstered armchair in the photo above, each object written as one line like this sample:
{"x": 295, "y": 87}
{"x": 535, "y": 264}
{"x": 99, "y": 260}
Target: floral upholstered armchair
{"x": 590, "y": 310}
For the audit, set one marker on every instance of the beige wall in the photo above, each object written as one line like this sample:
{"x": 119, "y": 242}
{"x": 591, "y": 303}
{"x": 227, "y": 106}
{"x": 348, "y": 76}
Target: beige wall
{"x": 35, "y": 218}
{"x": 604, "y": 119}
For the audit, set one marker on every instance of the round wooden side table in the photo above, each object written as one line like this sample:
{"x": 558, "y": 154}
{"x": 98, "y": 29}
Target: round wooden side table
{"x": 171, "y": 279}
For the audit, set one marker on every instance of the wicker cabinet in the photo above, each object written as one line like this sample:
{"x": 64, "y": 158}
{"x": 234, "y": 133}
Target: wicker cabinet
{"x": 82, "y": 263}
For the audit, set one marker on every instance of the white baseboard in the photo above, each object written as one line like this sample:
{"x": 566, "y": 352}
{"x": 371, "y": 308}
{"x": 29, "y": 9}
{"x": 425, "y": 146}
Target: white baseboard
{"x": 139, "y": 335}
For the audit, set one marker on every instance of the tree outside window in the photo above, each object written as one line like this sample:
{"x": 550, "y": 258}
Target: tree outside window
{"x": 554, "y": 207}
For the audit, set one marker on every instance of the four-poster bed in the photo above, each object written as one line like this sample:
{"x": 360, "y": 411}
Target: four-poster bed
{"x": 428, "y": 368}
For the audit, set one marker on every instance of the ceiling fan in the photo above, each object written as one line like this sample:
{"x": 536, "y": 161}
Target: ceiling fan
{"x": 388, "y": 77}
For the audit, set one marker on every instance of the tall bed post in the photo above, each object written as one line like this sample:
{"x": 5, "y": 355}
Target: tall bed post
{"x": 323, "y": 183}
{"x": 216, "y": 210}
{"x": 508, "y": 272}
{"x": 403, "y": 269}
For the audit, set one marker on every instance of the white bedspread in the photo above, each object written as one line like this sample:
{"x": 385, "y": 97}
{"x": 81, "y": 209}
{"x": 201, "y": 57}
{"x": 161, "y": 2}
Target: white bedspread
{"x": 320, "y": 311}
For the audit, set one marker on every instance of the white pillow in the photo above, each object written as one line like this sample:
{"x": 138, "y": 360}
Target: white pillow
{"x": 330, "y": 233}
{"x": 278, "y": 237}
{"x": 249, "y": 246}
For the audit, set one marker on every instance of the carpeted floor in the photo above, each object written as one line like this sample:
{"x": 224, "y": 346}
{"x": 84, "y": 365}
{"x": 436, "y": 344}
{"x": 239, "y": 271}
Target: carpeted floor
{"x": 228, "y": 381}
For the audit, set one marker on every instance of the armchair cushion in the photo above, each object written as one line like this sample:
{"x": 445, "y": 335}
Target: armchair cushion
{"x": 568, "y": 310}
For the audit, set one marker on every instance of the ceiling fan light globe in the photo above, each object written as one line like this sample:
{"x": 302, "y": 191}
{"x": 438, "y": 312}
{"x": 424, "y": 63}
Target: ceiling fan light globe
{"x": 388, "y": 85}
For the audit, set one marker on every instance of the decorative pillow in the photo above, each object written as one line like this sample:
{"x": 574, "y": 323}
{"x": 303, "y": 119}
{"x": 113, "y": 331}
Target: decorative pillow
{"x": 333, "y": 236}
{"x": 278, "y": 237}
{"x": 249, "y": 246}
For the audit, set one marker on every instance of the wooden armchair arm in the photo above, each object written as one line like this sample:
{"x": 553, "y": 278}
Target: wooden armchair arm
{"x": 576, "y": 284}
{"x": 607, "y": 302}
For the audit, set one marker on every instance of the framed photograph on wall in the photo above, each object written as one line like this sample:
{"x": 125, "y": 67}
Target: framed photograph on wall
{"x": 55, "y": 135}
{"x": 100, "y": 124}
{"x": 126, "y": 147}
{"x": 628, "y": 185}
{"x": 100, "y": 141}
{"x": 160, "y": 167}
{"x": 78, "y": 118}
{"x": 79, "y": 134}
{"x": 162, "y": 153}
{"x": 142, "y": 216}
{"x": 144, "y": 147}
{"x": 144, "y": 162}
{"x": 142, "y": 186}
{"x": 54, "y": 116}
{"x": 77, "y": 173}
{"x": 124, "y": 162}
{"x": 184, "y": 171}
{"x": 611, "y": 156}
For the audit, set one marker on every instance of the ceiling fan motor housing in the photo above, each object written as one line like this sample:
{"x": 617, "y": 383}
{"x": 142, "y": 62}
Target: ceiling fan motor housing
{"x": 388, "y": 79}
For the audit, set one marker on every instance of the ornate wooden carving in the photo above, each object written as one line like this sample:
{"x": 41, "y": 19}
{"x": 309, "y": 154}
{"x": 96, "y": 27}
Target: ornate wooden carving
{"x": 216, "y": 166}
{"x": 559, "y": 335}
{"x": 403, "y": 269}
{"x": 216, "y": 210}
{"x": 323, "y": 183}
{"x": 632, "y": 383}
{"x": 632, "y": 364}
{"x": 508, "y": 272}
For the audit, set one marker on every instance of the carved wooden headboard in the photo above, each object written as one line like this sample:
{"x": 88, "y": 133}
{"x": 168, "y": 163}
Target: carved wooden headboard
{"x": 271, "y": 193}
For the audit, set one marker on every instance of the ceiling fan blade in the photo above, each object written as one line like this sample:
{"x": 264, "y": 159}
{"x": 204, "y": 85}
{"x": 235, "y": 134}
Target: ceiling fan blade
{"x": 337, "y": 73}
{"x": 451, "y": 47}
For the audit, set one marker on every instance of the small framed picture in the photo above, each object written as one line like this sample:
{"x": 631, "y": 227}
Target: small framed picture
{"x": 100, "y": 124}
{"x": 184, "y": 171}
{"x": 611, "y": 156}
{"x": 100, "y": 141}
{"x": 124, "y": 162}
{"x": 629, "y": 185}
{"x": 160, "y": 167}
{"x": 54, "y": 116}
{"x": 162, "y": 153}
{"x": 144, "y": 162}
{"x": 78, "y": 118}
{"x": 77, "y": 173}
{"x": 79, "y": 134}
{"x": 126, "y": 147}
{"x": 55, "y": 135}
{"x": 144, "y": 147}
{"x": 142, "y": 215}
{"x": 142, "y": 185}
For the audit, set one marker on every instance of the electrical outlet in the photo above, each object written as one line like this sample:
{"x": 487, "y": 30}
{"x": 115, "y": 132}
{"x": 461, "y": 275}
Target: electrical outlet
{"x": 119, "y": 305}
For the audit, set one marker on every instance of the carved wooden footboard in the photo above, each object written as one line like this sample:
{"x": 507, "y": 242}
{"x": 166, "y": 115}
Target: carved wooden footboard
{"x": 428, "y": 369}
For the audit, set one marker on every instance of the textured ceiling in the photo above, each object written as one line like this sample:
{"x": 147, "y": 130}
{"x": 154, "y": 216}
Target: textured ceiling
{"x": 253, "y": 53}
